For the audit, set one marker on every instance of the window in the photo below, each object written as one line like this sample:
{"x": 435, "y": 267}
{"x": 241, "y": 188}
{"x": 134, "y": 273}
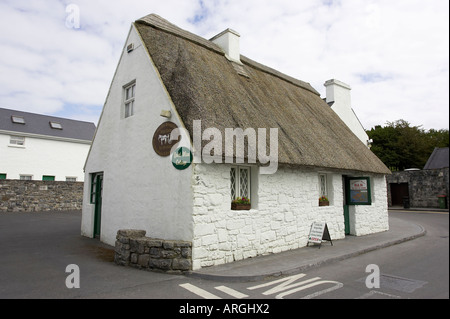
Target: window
{"x": 358, "y": 191}
{"x": 17, "y": 119}
{"x": 323, "y": 190}
{"x": 94, "y": 180}
{"x": 17, "y": 140}
{"x": 48, "y": 178}
{"x": 56, "y": 125}
{"x": 2, "y": 176}
{"x": 26, "y": 177}
{"x": 71, "y": 179}
{"x": 129, "y": 99}
{"x": 240, "y": 182}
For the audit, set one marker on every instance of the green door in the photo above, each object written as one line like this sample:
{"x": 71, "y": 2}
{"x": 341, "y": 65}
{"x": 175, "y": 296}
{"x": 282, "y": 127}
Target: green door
{"x": 97, "y": 186}
{"x": 347, "y": 219}
{"x": 346, "y": 208}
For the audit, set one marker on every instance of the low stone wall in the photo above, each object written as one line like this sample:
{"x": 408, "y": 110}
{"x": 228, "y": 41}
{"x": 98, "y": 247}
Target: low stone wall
{"x": 35, "y": 196}
{"x": 135, "y": 250}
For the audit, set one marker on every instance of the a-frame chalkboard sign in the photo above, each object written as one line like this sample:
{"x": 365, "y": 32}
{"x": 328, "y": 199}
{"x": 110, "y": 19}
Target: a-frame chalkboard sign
{"x": 318, "y": 233}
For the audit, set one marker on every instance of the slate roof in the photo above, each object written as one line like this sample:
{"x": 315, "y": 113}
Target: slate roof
{"x": 438, "y": 159}
{"x": 40, "y": 125}
{"x": 204, "y": 85}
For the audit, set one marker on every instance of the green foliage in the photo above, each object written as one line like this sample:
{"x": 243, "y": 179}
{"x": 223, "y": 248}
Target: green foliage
{"x": 400, "y": 145}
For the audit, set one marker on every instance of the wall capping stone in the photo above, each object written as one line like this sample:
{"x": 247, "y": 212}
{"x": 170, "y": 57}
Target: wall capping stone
{"x": 135, "y": 250}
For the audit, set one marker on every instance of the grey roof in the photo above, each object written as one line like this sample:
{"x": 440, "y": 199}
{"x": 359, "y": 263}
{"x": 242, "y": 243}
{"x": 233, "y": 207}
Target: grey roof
{"x": 40, "y": 124}
{"x": 438, "y": 159}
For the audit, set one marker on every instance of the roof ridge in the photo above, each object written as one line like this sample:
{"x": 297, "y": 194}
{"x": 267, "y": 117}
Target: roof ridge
{"x": 162, "y": 24}
{"x": 45, "y": 115}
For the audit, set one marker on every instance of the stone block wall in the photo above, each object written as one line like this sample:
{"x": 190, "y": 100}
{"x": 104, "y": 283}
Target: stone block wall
{"x": 134, "y": 249}
{"x": 35, "y": 196}
{"x": 424, "y": 186}
{"x": 284, "y": 206}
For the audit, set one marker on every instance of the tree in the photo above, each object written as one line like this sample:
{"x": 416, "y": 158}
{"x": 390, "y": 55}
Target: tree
{"x": 400, "y": 145}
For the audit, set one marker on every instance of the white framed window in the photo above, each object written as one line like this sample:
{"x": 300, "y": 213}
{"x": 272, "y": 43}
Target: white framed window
{"x": 130, "y": 92}
{"x": 55, "y": 125}
{"x": 71, "y": 179}
{"x": 17, "y": 140}
{"x": 17, "y": 119}
{"x": 26, "y": 177}
{"x": 240, "y": 178}
{"x": 323, "y": 189}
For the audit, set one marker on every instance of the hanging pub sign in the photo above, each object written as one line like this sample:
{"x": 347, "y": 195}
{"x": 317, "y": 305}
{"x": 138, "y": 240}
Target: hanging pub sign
{"x": 318, "y": 233}
{"x": 182, "y": 158}
{"x": 162, "y": 144}
{"x": 358, "y": 191}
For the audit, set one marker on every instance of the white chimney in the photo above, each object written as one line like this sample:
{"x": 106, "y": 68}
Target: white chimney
{"x": 340, "y": 100}
{"x": 339, "y": 92}
{"x": 228, "y": 40}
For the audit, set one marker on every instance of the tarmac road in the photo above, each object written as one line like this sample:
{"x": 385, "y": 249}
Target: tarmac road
{"x": 37, "y": 247}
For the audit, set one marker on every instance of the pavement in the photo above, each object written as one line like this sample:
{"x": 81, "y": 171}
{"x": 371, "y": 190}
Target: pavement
{"x": 299, "y": 260}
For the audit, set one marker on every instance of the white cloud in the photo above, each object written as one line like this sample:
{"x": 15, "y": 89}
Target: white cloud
{"x": 394, "y": 54}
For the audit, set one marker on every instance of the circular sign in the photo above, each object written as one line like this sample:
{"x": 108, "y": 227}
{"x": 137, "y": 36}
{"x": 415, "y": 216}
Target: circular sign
{"x": 182, "y": 158}
{"x": 162, "y": 144}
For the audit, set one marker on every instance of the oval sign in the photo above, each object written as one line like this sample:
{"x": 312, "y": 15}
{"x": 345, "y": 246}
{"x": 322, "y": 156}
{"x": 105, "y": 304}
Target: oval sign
{"x": 182, "y": 158}
{"x": 161, "y": 139}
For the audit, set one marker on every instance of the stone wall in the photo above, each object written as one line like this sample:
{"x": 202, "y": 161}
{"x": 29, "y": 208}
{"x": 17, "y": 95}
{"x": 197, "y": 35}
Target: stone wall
{"x": 135, "y": 250}
{"x": 35, "y": 196}
{"x": 424, "y": 186}
{"x": 284, "y": 206}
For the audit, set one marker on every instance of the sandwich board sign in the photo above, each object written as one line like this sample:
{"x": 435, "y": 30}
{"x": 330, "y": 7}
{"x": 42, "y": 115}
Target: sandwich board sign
{"x": 318, "y": 233}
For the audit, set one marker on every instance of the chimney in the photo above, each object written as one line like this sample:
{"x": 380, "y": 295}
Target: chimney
{"x": 340, "y": 100}
{"x": 339, "y": 93}
{"x": 228, "y": 40}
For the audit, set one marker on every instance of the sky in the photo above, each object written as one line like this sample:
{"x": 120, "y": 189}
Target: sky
{"x": 59, "y": 57}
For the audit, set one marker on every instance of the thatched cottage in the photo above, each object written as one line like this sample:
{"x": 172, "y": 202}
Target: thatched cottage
{"x": 169, "y": 78}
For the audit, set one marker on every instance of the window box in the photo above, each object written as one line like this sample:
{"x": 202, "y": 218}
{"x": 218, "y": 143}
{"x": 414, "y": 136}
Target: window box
{"x": 324, "y": 203}
{"x": 235, "y": 206}
{"x": 241, "y": 203}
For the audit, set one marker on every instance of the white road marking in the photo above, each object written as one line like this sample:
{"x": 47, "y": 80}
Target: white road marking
{"x": 233, "y": 293}
{"x": 282, "y": 288}
{"x": 199, "y": 292}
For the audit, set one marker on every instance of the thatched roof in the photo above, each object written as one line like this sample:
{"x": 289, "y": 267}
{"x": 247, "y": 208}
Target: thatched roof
{"x": 205, "y": 86}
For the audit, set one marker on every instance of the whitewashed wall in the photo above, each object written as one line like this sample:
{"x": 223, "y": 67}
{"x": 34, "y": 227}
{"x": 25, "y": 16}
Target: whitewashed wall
{"x": 141, "y": 190}
{"x": 40, "y": 156}
{"x": 282, "y": 213}
{"x": 365, "y": 220}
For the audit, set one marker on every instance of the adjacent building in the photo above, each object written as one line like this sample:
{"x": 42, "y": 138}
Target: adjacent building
{"x": 426, "y": 188}
{"x": 138, "y": 178}
{"x": 41, "y": 147}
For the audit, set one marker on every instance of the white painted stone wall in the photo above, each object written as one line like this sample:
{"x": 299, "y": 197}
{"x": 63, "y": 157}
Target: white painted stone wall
{"x": 282, "y": 213}
{"x": 141, "y": 190}
{"x": 42, "y": 156}
{"x": 365, "y": 220}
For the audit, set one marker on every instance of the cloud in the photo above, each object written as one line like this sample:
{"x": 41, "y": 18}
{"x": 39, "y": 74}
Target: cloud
{"x": 394, "y": 54}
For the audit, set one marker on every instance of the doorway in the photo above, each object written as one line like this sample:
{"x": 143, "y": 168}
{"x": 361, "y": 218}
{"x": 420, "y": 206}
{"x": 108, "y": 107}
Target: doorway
{"x": 346, "y": 207}
{"x": 398, "y": 193}
{"x": 96, "y": 199}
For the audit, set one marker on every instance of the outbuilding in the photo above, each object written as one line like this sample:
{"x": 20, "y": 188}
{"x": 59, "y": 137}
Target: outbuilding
{"x": 247, "y": 131}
